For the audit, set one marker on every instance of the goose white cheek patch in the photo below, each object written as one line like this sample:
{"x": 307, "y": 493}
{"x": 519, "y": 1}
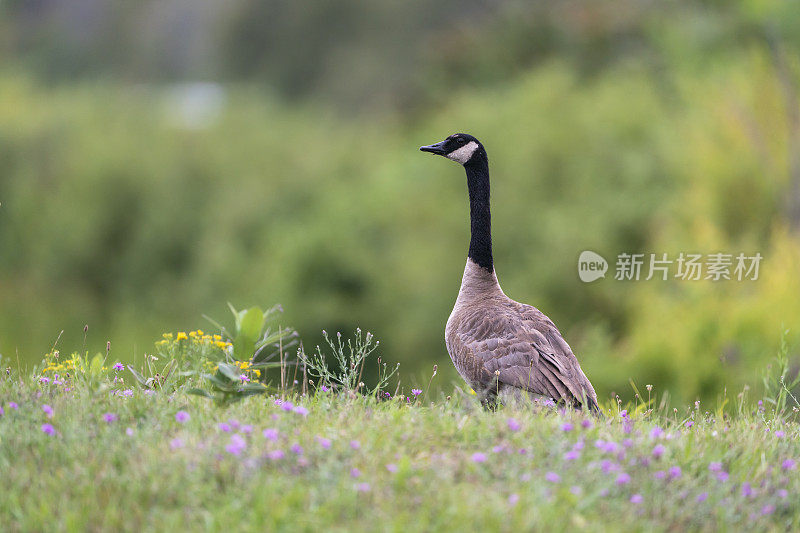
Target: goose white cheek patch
{"x": 463, "y": 154}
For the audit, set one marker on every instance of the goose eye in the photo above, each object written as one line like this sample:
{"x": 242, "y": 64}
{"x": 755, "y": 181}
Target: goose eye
{"x": 461, "y": 140}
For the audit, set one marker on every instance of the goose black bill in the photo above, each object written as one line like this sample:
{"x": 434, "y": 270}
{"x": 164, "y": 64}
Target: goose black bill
{"x": 437, "y": 148}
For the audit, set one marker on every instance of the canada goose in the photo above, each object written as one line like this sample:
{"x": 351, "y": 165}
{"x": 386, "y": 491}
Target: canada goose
{"x": 499, "y": 346}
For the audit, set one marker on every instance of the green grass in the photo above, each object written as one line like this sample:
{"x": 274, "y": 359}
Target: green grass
{"x": 416, "y": 464}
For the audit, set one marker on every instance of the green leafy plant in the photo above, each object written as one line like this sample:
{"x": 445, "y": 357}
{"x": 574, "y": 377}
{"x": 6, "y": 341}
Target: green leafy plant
{"x": 253, "y": 338}
{"x": 251, "y": 348}
{"x": 778, "y": 383}
{"x": 165, "y": 379}
{"x": 350, "y": 358}
{"x": 227, "y": 386}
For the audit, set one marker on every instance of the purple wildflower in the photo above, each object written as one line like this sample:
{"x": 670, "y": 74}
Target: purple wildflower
{"x": 324, "y": 388}
{"x": 658, "y": 451}
{"x": 623, "y": 479}
{"x": 659, "y": 474}
{"x": 118, "y": 366}
{"x": 675, "y": 472}
{"x": 247, "y": 428}
{"x": 703, "y": 496}
{"x": 110, "y": 417}
{"x": 391, "y": 467}
{"x": 2, "y": 412}
{"x": 270, "y": 434}
{"x": 47, "y": 410}
{"x": 747, "y": 490}
{"x": 549, "y": 403}
{"x": 478, "y": 457}
{"x": 48, "y": 429}
{"x": 354, "y": 444}
{"x": 566, "y": 426}
{"x": 689, "y": 423}
{"x": 182, "y": 417}
{"x": 572, "y": 455}
{"x": 275, "y": 455}
{"x": 623, "y": 413}
{"x": 513, "y": 424}
{"x": 780, "y": 434}
{"x": 586, "y": 423}
{"x": 789, "y": 464}
{"x": 722, "y": 476}
{"x": 244, "y": 378}
{"x": 128, "y": 393}
{"x": 129, "y": 432}
{"x": 610, "y": 447}
{"x": 296, "y": 449}
{"x": 287, "y": 406}
{"x": 363, "y": 487}
{"x": 355, "y": 472}
{"x": 636, "y": 499}
{"x": 224, "y": 426}
{"x": 513, "y": 499}
{"x": 44, "y": 380}
{"x": 237, "y": 445}
{"x": 325, "y": 443}
{"x": 552, "y": 477}
{"x": 176, "y": 443}
{"x": 300, "y": 410}
{"x": 783, "y": 494}
{"x": 13, "y": 405}
{"x": 608, "y": 466}
{"x": 416, "y": 392}
{"x": 715, "y": 466}
{"x": 768, "y": 509}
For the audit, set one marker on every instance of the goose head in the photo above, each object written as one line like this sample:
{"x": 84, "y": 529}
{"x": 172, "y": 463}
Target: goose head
{"x": 459, "y": 147}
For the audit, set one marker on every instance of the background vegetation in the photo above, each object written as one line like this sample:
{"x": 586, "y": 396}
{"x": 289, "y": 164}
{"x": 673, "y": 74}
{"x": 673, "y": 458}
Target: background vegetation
{"x": 160, "y": 159}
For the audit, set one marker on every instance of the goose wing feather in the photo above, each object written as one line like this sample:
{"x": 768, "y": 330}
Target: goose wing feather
{"x": 521, "y": 347}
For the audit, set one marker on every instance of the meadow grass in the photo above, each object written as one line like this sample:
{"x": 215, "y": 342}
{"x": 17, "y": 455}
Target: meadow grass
{"x": 132, "y": 459}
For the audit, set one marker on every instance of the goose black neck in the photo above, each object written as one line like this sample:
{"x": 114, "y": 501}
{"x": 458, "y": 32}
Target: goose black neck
{"x": 480, "y": 244}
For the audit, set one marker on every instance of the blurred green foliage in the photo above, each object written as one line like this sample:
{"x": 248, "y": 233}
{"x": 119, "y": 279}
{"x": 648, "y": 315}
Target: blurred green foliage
{"x": 136, "y": 205}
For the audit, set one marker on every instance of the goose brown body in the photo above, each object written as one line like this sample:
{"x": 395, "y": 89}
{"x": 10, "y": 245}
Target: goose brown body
{"x": 499, "y": 346}
{"x": 502, "y": 347}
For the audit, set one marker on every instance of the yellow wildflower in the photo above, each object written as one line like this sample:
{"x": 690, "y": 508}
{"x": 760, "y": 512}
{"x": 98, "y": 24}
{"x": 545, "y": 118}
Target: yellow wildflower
{"x": 182, "y": 336}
